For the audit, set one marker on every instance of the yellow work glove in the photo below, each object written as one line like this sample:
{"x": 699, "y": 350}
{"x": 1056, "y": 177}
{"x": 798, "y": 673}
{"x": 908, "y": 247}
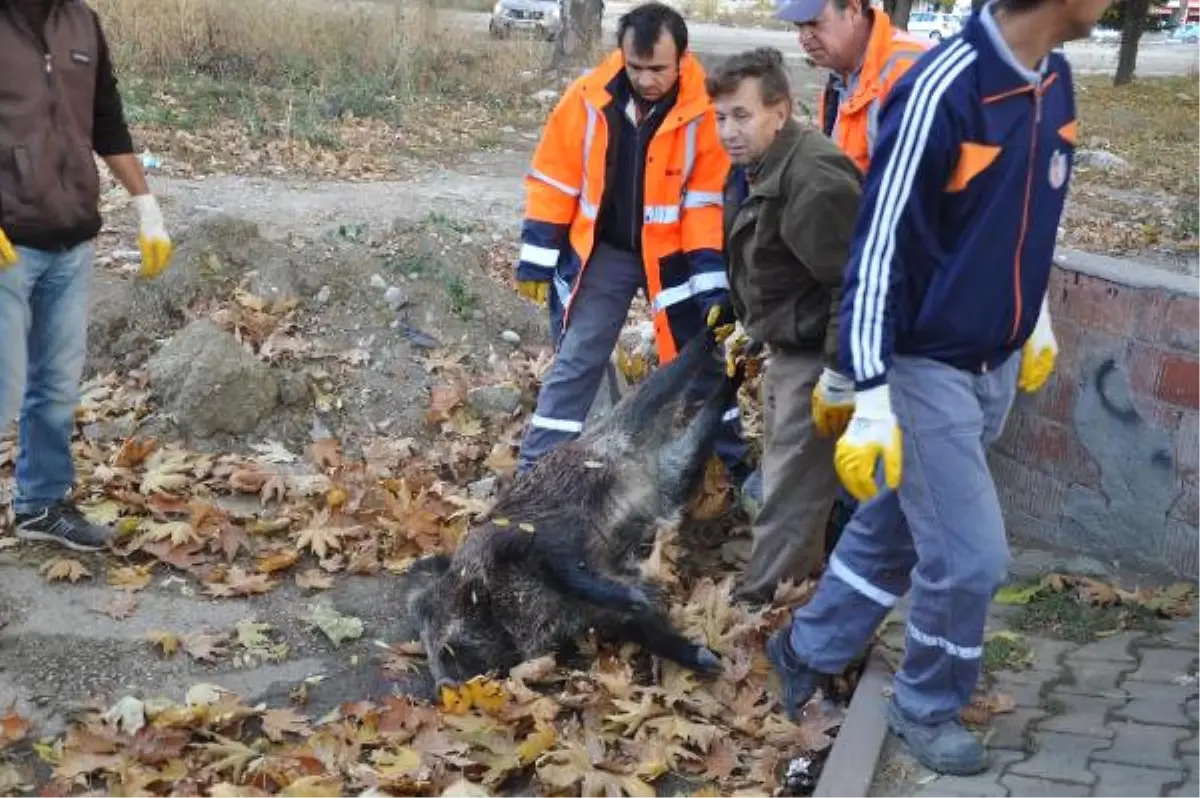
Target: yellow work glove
{"x": 1039, "y": 353}
{"x": 153, "y": 240}
{"x": 535, "y": 290}
{"x": 734, "y": 341}
{"x": 872, "y": 435}
{"x": 832, "y": 403}
{"x": 720, "y": 320}
{"x": 8, "y": 253}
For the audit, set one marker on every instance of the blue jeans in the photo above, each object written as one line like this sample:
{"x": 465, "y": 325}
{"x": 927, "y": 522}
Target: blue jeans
{"x": 43, "y": 343}
{"x": 940, "y": 535}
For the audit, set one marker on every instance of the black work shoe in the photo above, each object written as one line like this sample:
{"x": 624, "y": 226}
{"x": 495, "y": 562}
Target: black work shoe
{"x": 945, "y": 747}
{"x": 799, "y": 681}
{"x": 62, "y": 523}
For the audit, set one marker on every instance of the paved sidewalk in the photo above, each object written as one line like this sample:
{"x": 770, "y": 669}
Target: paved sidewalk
{"x": 1115, "y": 717}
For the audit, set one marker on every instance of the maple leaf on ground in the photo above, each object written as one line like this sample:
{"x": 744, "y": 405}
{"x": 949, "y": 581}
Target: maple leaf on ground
{"x": 721, "y": 760}
{"x": 984, "y": 705}
{"x": 277, "y": 560}
{"x": 119, "y": 606}
{"x": 565, "y": 767}
{"x": 131, "y": 577}
{"x": 13, "y": 727}
{"x": 399, "y": 657}
{"x": 319, "y": 538}
{"x": 278, "y": 722}
{"x": 152, "y": 745}
{"x": 167, "y": 642}
{"x": 237, "y": 582}
{"x": 313, "y": 579}
{"x": 325, "y": 453}
{"x": 312, "y": 787}
{"x": 64, "y": 568}
{"x": 167, "y": 470}
{"x": 133, "y": 451}
{"x": 205, "y": 647}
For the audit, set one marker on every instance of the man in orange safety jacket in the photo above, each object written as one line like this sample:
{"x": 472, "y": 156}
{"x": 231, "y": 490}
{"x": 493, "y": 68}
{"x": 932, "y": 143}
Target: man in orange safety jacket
{"x": 625, "y": 193}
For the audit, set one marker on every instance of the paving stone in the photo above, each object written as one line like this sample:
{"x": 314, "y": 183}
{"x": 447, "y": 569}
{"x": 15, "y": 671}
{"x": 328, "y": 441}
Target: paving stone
{"x": 1119, "y": 781}
{"x": 1079, "y": 714}
{"x": 1095, "y": 677}
{"x": 1159, "y": 704}
{"x": 1140, "y": 744}
{"x": 1183, "y": 633}
{"x": 1191, "y": 788}
{"x": 1111, "y": 649}
{"x": 1025, "y": 686}
{"x": 1193, "y": 709}
{"x": 1189, "y": 748}
{"x": 984, "y": 785}
{"x": 1164, "y": 665}
{"x": 1063, "y": 757}
{"x": 1047, "y": 652}
{"x": 1008, "y": 731}
{"x": 1023, "y": 785}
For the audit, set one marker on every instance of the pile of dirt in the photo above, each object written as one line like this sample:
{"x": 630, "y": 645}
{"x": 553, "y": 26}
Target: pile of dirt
{"x": 247, "y": 338}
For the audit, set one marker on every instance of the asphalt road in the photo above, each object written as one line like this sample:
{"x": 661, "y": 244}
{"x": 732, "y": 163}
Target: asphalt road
{"x": 1156, "y": 57}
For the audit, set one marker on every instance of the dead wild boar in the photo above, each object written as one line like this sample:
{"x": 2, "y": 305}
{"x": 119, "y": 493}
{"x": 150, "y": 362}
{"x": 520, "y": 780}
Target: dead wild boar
{"x": 559, "y": 552}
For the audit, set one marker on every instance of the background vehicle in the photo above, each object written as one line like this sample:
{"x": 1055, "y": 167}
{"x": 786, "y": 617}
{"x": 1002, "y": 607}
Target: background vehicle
{"x": 1186, "y": 33}
{"x": 1105, "y": 35}
{"x": 541, "y": 18}
{"x": 933, "y": 25}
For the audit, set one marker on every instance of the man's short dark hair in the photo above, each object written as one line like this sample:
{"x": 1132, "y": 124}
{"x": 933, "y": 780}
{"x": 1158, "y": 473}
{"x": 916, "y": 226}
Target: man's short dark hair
{"x": 765, "y": 63}
{"x": 647, "y": 22}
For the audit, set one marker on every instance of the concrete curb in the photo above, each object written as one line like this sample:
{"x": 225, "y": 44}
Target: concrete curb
{"x": 850, "y": 768}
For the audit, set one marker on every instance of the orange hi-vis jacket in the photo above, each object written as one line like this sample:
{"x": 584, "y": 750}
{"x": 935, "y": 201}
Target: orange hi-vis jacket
{"x": 685, "y": 168}
{"x": 851, "y": 119}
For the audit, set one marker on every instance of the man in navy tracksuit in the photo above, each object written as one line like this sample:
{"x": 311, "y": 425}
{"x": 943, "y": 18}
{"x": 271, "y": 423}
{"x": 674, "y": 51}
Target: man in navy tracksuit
{"x": 943, "y": 317}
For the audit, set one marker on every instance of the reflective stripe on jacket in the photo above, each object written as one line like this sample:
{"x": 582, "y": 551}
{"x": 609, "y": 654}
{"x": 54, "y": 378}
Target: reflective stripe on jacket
{"x": 852, "y": 123}
{"x": 685, "y": 171}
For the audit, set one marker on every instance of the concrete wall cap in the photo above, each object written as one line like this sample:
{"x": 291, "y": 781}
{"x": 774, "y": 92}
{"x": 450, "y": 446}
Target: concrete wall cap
{"x": 1130, "y": 273}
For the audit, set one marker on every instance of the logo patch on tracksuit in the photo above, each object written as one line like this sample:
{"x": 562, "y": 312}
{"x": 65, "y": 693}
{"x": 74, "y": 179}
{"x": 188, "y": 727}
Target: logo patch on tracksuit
{"x": 1058, "y": 169}
{"x": 80, "y": 57}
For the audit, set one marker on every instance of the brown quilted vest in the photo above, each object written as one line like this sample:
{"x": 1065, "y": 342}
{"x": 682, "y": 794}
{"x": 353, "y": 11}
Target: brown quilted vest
{"x": 49, "y": 186}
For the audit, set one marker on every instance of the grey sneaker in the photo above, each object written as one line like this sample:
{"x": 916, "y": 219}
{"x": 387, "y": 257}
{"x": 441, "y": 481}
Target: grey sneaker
{"x": 945, "y": 747}
{"x": 63, "y": 524}
{"x": 799, "y": 682}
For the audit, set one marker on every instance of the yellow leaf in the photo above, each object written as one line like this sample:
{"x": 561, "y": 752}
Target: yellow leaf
{"x": 277, "y": 561}
{"x": 167, "y": 641}
{"x": 336, "y": 498}
{"x": 1017, "y": 594}
{"x": 488, "y": 695}
{"x": 536, "y": 744}
{"x": 132, "y": 577}
{"x": 66, "y": 568}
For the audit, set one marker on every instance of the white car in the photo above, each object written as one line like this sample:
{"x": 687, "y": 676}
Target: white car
{"x": 933, "y": 25}
{"x": 541, "y": 18}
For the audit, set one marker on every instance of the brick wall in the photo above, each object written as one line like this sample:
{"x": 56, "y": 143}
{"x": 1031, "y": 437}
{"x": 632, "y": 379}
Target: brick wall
{"x": 1103, "y": 460}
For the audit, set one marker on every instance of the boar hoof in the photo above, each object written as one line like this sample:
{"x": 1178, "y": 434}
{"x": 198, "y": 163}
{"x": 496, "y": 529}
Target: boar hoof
{"x": 706, "y": 660}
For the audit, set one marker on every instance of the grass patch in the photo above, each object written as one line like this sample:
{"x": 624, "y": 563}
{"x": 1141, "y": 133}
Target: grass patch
{"x": 1061, "y": 616}
{"x": 1005, "y": 651}
{"x": 462, "y": 301}
{"x": 305, "y": 70}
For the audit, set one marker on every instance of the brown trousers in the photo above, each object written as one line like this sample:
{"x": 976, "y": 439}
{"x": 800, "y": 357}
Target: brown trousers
{"x": 799, "y": 481}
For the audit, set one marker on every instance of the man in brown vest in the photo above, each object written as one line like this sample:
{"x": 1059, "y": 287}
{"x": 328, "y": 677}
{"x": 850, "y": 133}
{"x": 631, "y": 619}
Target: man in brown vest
{"x": 58, "y": 104}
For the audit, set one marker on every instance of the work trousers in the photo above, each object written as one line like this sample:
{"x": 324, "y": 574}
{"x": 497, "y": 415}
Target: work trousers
{"x": 598, "y": 312}
{"x": 43, "y": 344}
{"x": 799, "y": 480}
{"x": 941, "y": 534}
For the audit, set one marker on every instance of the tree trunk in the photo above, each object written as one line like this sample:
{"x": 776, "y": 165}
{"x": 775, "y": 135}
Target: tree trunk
{"x": 1131, "y": 35}
{"x": 898, "y": 10}
{"x": 581, "y": 33}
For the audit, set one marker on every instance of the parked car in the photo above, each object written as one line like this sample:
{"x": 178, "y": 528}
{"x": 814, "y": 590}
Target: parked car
{"x": 541, "y": 18}
{"x": 1186, "y": 33}
{"x": 933, "y": 25}
{"x": 1105, "y": 35}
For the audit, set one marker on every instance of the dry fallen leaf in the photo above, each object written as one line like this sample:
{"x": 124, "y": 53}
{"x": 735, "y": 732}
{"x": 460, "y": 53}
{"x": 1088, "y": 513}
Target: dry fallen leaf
{"x": 278, "y": 722}
{"x": 64, "y": 568}
{"x": 119, "y": 606}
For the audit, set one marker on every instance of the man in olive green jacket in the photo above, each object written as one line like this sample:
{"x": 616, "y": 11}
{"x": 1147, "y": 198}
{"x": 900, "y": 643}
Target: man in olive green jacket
{"x": 791, "y": 200}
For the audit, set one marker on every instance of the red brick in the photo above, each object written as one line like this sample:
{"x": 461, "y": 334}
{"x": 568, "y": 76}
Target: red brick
{"x": 1181, "y": 324}
{"x": 1144, "y": 367}
{"x": 1179, "y": 381}
{"x": 1098, "y": 305}
{"x": 1056, "y": 401}
{"x": 1148, "y": 325}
